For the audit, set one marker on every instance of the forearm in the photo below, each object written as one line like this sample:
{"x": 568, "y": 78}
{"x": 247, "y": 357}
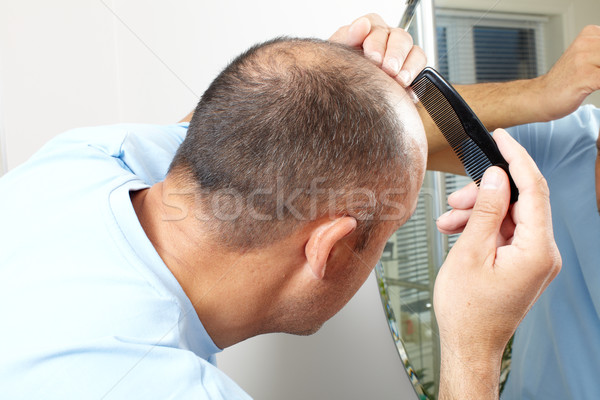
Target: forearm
{"x": 466, "y": 377}
{"x": 506, "y": 104}
{"x": 498, "y": 105}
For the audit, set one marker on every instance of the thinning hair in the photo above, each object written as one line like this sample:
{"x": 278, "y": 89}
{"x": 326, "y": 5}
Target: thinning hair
{"x": 299, "y": 119}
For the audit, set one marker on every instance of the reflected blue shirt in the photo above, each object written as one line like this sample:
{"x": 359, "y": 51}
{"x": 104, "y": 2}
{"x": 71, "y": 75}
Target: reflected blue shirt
{"x": 556, "y": 351}
{"x": 89, "y": 309}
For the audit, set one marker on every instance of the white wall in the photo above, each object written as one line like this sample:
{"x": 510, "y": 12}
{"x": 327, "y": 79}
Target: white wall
{"x": 3, "y": 166}
{"x": 70, "y": 63}
{"x": 57, "y": 71}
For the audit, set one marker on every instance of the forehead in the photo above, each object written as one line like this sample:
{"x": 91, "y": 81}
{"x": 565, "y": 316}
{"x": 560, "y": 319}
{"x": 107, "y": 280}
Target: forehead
{"x": 403, "y": 102}
{"x": 413, "y": 135}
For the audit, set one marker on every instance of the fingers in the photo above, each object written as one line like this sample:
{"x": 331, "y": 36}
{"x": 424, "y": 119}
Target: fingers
{"x": 462, "y": 201}
{"x": 402, "y": 60}
{"x": 391, "y": 49}
{"x": 398, "y": 45}
{"x": 453, "y": 221}
{"x": 375, "y": 44}
{"x": 358, "y": 32}
{"x": 414, "y": 63}
{"x": 534, "y": 206}
{"x": 353, "y": 35}
{"x": 464, "y": 198}
{"x": 481, "y": 233}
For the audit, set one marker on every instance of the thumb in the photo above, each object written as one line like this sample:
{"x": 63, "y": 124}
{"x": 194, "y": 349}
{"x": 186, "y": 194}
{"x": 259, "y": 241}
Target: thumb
{"x": 489, "y": 211}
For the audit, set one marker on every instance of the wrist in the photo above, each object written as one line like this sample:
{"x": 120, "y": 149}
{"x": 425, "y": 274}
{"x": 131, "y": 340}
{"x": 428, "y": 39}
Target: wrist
{"x": 536, "y": 102}
{"x": 506, "y": 104}
{"x": 469, "y": 374}
{"x": 525, "y": 102}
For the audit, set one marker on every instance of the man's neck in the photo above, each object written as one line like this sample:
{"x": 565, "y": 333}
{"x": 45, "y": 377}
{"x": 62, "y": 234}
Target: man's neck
{"x": 224, "y": 287}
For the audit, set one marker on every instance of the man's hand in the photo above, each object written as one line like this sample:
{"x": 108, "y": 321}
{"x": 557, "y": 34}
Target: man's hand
{"x": 574, "y": 76}
{"x": 389, "y": 48}
{"x": 497, "y": 269}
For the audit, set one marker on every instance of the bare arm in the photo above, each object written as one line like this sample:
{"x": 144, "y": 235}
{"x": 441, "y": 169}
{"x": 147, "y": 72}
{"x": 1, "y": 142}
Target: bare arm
{"x": 553, "y": 95}
{"x": 188, "y": 117}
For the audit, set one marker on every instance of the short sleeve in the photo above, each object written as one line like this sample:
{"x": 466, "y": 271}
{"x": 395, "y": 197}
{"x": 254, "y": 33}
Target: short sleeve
{"x": 556, "y": 143}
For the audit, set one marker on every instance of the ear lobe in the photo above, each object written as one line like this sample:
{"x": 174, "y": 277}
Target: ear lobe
{"x": 322, "y": 240}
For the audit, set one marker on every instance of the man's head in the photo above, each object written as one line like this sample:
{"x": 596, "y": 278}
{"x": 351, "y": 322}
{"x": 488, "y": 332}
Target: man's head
{"x": 306, "y": 147}
{"x": 290, "y": 131}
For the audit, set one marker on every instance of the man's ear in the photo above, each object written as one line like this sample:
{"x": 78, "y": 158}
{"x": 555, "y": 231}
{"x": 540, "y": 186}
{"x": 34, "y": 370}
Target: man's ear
{"x": 322, "y": 240}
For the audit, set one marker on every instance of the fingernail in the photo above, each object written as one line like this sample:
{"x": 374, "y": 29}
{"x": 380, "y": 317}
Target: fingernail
{"x": 491, "y": 179}
{"x": 404, "y": 77}
{"x": 392, "y": 65}
{"x": 376, "y": 57}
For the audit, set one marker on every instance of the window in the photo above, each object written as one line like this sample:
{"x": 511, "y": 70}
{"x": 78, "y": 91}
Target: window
{"x": 500, "y": 47}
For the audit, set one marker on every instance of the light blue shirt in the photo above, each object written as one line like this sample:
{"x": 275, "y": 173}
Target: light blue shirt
{"x": 88, "y": 308}
{"x": 556, "y": 352}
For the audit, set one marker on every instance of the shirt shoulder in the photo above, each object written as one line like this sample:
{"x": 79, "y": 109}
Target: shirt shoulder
{"x": 144, "y": 150}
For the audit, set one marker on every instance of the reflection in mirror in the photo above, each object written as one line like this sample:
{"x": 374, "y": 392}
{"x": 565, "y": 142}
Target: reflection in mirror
{"x": 422, "y": 389}
{"x": 469, "y": 51}
{"x": 406, "y": 274}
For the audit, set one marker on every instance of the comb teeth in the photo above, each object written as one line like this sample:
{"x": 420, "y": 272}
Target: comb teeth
{"x": 439, "y": 108}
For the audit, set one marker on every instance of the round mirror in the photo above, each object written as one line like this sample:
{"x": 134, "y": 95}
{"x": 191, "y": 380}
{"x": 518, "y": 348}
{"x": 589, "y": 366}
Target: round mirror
{"x": 406, "y": 275}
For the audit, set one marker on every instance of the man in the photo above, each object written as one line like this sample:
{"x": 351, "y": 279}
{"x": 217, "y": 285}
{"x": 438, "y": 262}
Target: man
{"x": 122, "y": 276}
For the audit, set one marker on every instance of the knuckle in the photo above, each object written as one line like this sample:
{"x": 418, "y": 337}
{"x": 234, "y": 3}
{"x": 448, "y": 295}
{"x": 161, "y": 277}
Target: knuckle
{"x": 380, "y": 28}
{"x": 548, "y": 258}
{"x": 542, "y": 186}
{"x": 556, "y": 259}
{"x": 403, "y": 35}
{"x": 557, "y": 266}
{"x": 486, "y": 208}
{"x": 591, "y": 29}
{"x": 418, "y": 51}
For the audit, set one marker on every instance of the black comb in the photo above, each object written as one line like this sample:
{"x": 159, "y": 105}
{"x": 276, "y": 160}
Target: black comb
{"x": 467, "y": 136}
